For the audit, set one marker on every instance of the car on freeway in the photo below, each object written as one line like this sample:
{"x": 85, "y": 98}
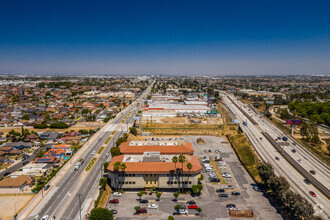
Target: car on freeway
{"x": 230, "y": 187}
{"x": 306, "y": 157}
{"x": 312, "y": 172}
{"x": 94, "y": 152}
{"x": 312, "y": 193}
{"x": 231, "y": 206}
{"x": 191, "y": 202}
{"x": 114, "y": 201}
{"x": 276, "y": 158}
{"x": 106, "y": 155}
{"x": 307, "y": 181}
{"x": 293, "y": 151}
{"x": 46, "y": 217}
{"x": 299, "y": 160}
{"x": 256, "y": 188}
{"x": 152, "y": 206}
{"x": 293, "y": 143}
{"x": 260, "y": 138}
{"x": 223, "y": 195}
{"x": 235, "y": 193}
{"x": 113, "y": 211}
{"x": 220, "y": 190}
{"x": 143, "y": 210}
{"x": 36, "y": 217}
{"x": 144, "y": 201}
{"x": 117, "y": 194}
{"x": 192, "y": 206}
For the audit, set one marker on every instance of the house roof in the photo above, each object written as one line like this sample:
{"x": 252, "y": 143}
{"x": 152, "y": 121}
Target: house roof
{"x": 157, "y": 167}
{"x": 15, "y": 182}
{"x": 184, "y": 148}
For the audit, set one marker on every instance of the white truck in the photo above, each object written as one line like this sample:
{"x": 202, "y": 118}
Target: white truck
{"x": 78, "y": 164}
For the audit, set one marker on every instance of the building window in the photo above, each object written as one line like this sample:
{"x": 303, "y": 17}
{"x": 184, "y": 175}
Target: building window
{"x": 133, "y": 174}
{"x": 189, "y": 182}
{"x": 146, "y": 174}
{"x": 175, "y": 182}
{"x": 133, "y": 182}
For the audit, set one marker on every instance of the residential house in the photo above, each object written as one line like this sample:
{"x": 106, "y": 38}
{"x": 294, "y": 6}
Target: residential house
{"x": 15, "y": 185}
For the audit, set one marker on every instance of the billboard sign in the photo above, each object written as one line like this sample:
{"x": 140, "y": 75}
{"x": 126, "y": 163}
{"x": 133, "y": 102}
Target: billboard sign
{"x": 293, "y": 122}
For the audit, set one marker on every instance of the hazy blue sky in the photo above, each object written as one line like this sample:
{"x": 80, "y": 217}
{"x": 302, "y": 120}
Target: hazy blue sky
{"x": 165, "y": 36}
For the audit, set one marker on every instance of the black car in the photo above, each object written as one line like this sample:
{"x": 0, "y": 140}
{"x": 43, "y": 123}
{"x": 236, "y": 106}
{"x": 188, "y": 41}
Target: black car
{"x": 230, "y": 206}
{"x": 220, "y": 190}
{"x": 7, "y": 173}
{"x": 235, "y": 193}
{"x": 215, "y": 180}
{"x": 312, "y": 172}
{"x": 113, "y": 211}
{"x": 46, "y": 187}
{"x": 307, "y": 181}
{"x": 25, "y": 162}
{"x": 276, "y": 158}
{"x": 191, "y": 202}
{"x": 223, "y": 195}
{"x": 144, "y": 201}
{"x": 293, "y": 151}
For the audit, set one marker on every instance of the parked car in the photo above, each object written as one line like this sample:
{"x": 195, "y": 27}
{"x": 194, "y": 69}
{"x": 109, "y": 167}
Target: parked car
{"x": 36, "y": 217}
{"x": 256, "y": 188}
{"x": 220, "y": 190}
{"x": 117, "y": 194}
{"x": 235, "y": 193}
{"x": 143, "y": 210}
{"x": 312, "y": 172}
{"x": 312, "y": 193}
{"x": 144, "y": 201}
{"x": 183, "y": 211}
{"x": 114, "y": 201}
{"x": 192, "y": 206}
{"x": 293, "y": 151}
{"x": 230, "y": 187}
{"x": 231, "y": 206}
{"x": 223, "y": 195}
{"x": 191, "y": 202}
{"x": 152, "y": 206}
{"x": 113, "y": 211}
{"x": 46, "y": 187}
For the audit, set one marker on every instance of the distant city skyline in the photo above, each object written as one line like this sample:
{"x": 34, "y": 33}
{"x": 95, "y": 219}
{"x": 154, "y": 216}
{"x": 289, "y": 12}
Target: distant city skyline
{"x": 165, "y": 37}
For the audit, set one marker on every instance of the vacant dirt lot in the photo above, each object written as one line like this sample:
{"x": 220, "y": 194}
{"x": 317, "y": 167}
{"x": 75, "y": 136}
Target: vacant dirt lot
{"x": 8, "y": 203}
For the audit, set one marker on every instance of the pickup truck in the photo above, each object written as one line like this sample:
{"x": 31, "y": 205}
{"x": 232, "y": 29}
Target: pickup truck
{"x": 78, "y": 164}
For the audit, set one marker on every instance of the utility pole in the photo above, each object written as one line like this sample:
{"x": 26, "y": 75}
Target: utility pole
{"x": 79, "y": 205}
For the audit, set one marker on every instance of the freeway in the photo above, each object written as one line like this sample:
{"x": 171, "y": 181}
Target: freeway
{"x": 267, "y": 153}
{"x": 81, "y": 182}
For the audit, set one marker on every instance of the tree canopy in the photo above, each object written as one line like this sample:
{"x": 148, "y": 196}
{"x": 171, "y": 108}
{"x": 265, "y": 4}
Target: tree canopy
{"x": 100, "y": 214}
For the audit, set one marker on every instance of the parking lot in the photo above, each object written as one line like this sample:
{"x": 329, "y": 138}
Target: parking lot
{"x": 213, "y": 206}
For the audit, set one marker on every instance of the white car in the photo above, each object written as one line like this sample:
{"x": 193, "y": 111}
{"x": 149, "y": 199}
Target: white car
{"x": 152, "y": 206}
{"x": 306, "y": 157}
{"x": 183, "y": 211}
{"x": 299, "y": 160}
{"x": 93, "y": 152}
{"x": 45, "y": 217}
{"x": 117, "y": 194}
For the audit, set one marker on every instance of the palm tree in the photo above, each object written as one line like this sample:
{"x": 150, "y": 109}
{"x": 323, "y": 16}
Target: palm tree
{"x": 189, "y": 166}
{"x": 175, "y": 160}
{"x": 182, "y": 159}
{"x": 123, "y": 167}
{"x": 116, "y": 167}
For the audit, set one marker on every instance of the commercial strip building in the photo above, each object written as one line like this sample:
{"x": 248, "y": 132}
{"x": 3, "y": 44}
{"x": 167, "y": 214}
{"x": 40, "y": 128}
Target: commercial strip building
{"x": 149, "y": 164}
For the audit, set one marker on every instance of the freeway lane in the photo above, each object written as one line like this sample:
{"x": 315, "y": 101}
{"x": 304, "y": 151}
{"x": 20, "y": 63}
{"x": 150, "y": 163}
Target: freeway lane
{"x": 69, "y": 182}
{"x": 267, "y": 153}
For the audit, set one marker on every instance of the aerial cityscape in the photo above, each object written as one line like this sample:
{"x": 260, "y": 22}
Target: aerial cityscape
{"x": 164, "y": 110}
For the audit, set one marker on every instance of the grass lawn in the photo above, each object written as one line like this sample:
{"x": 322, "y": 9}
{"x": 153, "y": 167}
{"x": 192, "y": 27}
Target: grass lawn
{"x": 217, "y": 171}
{"x": 90, "y": 165}
{"x": 4, "y": 165}
{"x": 104, "y": 198}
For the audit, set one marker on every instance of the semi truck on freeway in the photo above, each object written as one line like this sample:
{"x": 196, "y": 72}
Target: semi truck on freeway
{"x": 79, "y": 163}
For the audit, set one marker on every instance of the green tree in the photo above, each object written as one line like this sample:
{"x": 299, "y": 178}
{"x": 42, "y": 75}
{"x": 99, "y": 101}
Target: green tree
{"x": 40, "y": 153}
{"x": 189, "y": 167}
{"x": 100, "y": 214}
{"x": 177, "y": 208}
{"x": 116, "y": 167}
{"x": 175, "y": 160}
{"x": 182, "y": 159}
{"x": 133, "y": 131}
{"x": 199, "y": 210}
{"x": 140, "y": 194}
{"x": 176, "y": 195}
{"x": 170, "y": 217}
{"x": 103, "y": 182}
{"x": 115, "y": 151}
{"x": 266, "y": 171}
{"x": 105, "y": 165}
{"x": 158, "y": 194}
{"x": 25, "y": 117}
{"x": 137, "y": 209}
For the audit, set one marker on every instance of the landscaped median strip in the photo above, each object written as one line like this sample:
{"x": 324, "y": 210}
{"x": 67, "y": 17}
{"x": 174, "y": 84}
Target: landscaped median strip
{"x": 100, "y": 150}
{"x": 90, "y": 165}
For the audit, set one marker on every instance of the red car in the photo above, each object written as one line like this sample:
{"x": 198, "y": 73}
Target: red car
{"x": 114, "y": 201}
{"x": 142, "y": 210}
{"x": 312, "y": 193}
{"x": 192, "y": 206}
